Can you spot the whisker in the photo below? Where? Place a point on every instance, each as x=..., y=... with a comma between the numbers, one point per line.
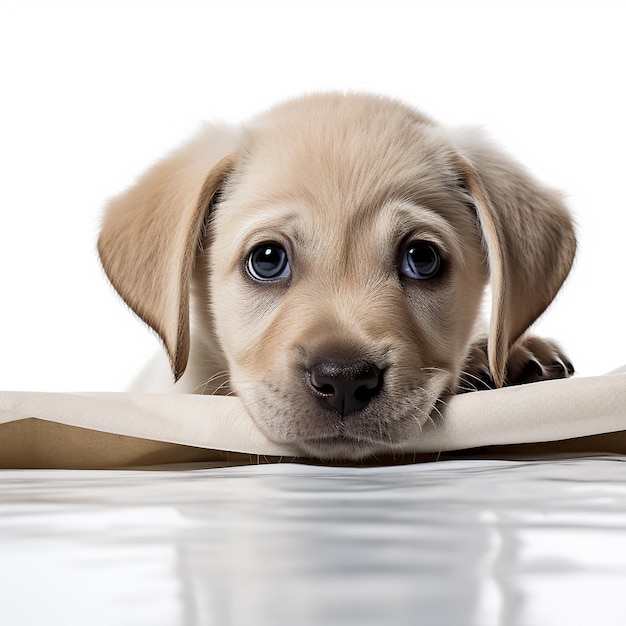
x=466, y=389
x=216, y=391
x=436, y=409
x=204, y=385
x=441, y=401
x=422, y=412
x=434, y=369
x=465, y=373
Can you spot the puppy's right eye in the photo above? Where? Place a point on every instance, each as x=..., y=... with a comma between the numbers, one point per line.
x=268, y=262
x=421, y=261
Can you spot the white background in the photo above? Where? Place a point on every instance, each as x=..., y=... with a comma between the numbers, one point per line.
x=92, y=93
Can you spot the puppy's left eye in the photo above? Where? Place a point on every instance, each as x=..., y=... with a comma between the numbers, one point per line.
x=268, y=262
x=421, y=261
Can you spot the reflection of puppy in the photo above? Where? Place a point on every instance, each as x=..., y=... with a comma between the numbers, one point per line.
x=335, y=252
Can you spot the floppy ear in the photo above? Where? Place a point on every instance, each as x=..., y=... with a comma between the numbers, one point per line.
x=151, y=233
x=529, y=238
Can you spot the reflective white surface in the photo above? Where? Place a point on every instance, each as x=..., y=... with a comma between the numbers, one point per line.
x=454, y=543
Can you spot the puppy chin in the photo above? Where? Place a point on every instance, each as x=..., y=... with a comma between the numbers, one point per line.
x=342, y=448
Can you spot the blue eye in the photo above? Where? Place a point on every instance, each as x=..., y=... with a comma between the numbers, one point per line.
x=268, y=262
x=421, y=261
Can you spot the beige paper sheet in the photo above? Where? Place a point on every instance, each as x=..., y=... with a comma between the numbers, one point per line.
x=81, y=430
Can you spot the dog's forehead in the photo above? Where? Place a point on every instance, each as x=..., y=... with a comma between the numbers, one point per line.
x=341, y=156
x=344, y=151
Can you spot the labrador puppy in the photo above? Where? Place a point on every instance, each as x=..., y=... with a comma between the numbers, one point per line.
x=327, y=263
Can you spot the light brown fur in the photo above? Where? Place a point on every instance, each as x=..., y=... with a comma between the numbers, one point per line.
x=342, y=182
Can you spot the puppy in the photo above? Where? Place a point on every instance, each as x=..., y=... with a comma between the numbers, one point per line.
x=327, y=263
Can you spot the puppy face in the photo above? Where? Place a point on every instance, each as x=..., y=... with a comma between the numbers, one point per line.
x=331, y=213
x=342, y=265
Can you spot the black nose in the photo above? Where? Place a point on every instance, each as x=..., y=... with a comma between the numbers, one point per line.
x=344, y=386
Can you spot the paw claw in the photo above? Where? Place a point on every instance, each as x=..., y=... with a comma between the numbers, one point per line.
x=530, y=360
x=533, y=366
x=534, y=359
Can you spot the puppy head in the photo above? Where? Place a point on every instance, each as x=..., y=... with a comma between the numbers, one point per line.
x=343, y=266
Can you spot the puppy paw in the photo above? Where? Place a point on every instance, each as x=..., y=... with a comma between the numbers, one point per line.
x=530, y=360
x=533, y=359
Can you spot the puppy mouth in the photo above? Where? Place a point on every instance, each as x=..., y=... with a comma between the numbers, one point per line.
x=351, y=440
x=341, y=447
